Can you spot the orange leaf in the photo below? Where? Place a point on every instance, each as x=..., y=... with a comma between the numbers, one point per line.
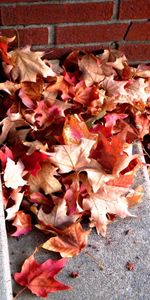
x=74, y=129
x=69, y=241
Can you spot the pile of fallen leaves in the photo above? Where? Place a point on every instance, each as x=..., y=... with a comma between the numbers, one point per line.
x=67, y=134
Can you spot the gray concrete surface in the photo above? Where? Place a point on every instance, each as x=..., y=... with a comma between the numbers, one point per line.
x=5, y=277
x=127, y=240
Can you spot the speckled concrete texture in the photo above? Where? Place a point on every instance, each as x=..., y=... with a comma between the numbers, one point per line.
x=127, y=240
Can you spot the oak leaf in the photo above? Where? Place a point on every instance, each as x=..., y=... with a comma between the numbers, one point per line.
x=40, y=278
x=68, y=242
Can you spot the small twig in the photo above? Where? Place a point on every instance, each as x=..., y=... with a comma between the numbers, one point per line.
x=99, y=264
x=19, y=293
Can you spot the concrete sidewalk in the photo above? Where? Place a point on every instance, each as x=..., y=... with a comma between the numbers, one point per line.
x=127, y=240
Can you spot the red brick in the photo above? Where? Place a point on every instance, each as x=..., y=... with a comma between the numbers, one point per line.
x=139, y=32
x=134, y=9
x=136, y=52
x=90, y=33
x=56, y=13
x=27, y=36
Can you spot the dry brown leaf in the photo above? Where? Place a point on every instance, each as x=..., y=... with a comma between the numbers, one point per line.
x=69, y=242
x=27, y=65
x=45, y=179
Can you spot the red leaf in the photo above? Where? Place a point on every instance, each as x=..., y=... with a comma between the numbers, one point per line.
x=32, y=162
x=4, y=41
x=22, y=222
x=40, y=278
x=5, y=152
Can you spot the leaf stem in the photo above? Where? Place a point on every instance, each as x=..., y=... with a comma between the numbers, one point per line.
x=19, y=293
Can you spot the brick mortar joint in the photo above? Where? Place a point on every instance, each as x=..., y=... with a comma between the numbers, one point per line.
x=120, y=43
x=24, y=3
x=115, y=15
x=51, y=35
x=69, y=24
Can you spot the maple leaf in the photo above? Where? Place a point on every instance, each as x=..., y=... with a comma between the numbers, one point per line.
x=13, y=174
x=33, y=161
x=17, y=198
x=84, y=94
x=114, y=87
x=27, y=65
x=137, y=91
x=96, y=175
x=132, y=91
x=58, y=216
x=22, y=222
x=112, y=118
x=108, y=200
x=90, y=66
x=40, y=278
x=68, y=242
x=72, y=157
x=74, y=129
x=123, y=180
x=61, y=85
x=44, y=179
x=51, y=100
x=112, y=154
x=75, y=158
x=31, y=92
x=42, y=116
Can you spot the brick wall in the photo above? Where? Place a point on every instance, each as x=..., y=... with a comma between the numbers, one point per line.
x=61, y=26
